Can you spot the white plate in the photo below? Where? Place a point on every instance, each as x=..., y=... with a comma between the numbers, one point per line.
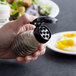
x=55, y=8
x=52, y=43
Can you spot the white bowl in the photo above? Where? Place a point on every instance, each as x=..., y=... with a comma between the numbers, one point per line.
x=4, y=11
x=55, y=8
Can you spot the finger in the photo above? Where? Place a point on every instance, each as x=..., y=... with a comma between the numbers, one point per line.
x=42, y=52
x=30, y=18
x=41, y=47
x=27, y=18
x=34, y=58
x=36, y=54
x=32, y=27
x=20, y=22
x=28, y=58
x=20, y=59
x=24, y=60
x=29, y=27
x=24, y=19
x=22, y=29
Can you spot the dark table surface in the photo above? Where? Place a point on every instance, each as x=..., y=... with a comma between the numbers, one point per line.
x=52, y=63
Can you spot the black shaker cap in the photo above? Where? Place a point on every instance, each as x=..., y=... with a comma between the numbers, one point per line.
x=42, y=33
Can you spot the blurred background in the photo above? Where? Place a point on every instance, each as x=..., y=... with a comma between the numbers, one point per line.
x=52, y=63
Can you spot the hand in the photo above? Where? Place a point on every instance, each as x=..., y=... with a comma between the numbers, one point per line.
x=8, y=33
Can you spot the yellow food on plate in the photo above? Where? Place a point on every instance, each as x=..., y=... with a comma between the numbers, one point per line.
x=69, y=35
x=27, y=2
x=65, y=44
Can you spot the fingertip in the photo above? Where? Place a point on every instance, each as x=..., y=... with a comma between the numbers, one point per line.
x=42, y=52
x=19, y=59
x=36, y=54
x=32, y=27
x=29, y=27
x=28, y=58
x=34, y=58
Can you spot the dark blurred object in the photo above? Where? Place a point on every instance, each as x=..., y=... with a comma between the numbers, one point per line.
x=45, y=19
x=33, y=10
x=14, y=17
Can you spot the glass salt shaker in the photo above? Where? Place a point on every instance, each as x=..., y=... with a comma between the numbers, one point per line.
x=27, y=42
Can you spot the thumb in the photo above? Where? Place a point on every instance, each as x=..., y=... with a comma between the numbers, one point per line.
x=26, y=19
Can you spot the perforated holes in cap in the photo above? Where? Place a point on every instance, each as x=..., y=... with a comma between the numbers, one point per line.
x=45, y=33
